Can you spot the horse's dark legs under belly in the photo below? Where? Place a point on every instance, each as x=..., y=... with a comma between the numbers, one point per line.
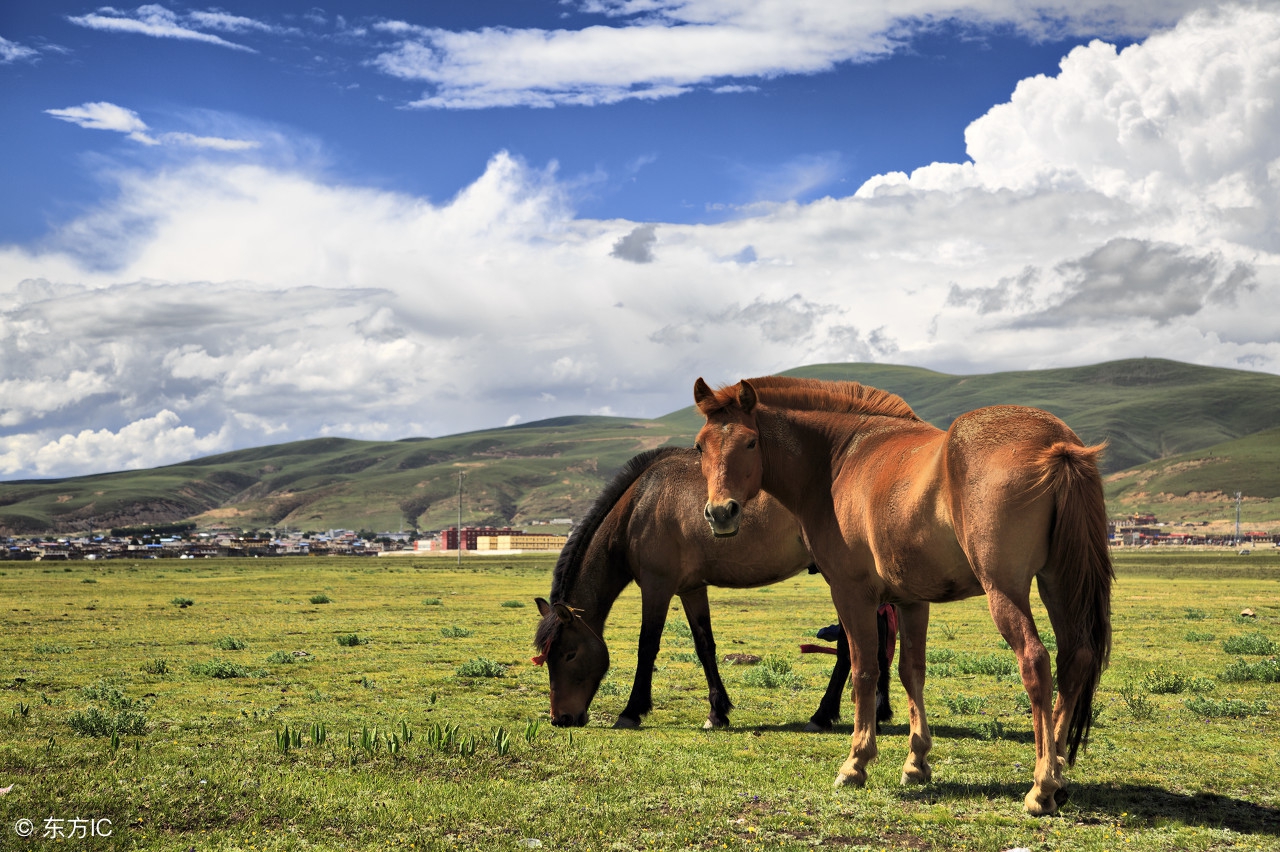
x=698, y=611
x=883, y=711
x=829, y=709
x=653, y=618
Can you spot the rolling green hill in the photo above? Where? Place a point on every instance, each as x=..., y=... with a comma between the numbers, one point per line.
x=1149, y=410
x=1200, y=486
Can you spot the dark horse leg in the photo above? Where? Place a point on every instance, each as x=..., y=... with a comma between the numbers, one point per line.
x=884, y=712
x=828, y=710
x=698, y=610
x=653, y=618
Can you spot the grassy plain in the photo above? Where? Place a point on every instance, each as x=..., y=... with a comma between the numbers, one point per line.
x=210, y=772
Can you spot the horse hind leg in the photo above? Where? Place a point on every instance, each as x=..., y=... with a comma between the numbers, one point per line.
x=884, y=658
x=1075, y=668
x=1012, y=616
x=698, y=611
x=823, y=719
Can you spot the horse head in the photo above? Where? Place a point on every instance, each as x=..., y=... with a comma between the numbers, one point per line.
x=576, y=659
x=728, y=444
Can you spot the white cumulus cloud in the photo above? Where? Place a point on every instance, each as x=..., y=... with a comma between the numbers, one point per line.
x=11, y=51
x=159, y=22
x=663, y=48
x=101, y=115
x=261, y=305
x=156, y=440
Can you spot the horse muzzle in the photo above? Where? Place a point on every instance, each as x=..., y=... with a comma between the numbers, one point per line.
x=568, y=720
x=724, y=517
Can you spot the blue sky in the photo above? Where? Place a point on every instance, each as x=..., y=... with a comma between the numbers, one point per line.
x=262, y=222
x=691, y=158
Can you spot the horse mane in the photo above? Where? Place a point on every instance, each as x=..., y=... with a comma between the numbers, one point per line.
x=575, y=549
x=819, y=395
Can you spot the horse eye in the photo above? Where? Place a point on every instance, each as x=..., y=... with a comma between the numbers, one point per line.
x=697, y=445
x=569, y=656
x=751, y=445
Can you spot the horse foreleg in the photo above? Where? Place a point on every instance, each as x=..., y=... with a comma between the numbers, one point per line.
x=913, y=627
x=823, y=719
x=1013, y=618
x=860, y=625
x=698, y=611
x=653, y=618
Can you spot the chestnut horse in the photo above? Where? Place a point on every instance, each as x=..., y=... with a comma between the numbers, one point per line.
x=645, y=526
x=896, y=510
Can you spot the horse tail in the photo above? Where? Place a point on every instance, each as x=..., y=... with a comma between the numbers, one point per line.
x=1079, y=565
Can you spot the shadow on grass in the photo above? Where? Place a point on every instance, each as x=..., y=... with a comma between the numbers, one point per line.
x=939, y=732
x=1092, y=803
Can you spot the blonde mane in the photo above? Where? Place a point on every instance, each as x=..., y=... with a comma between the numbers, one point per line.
x=819, y=395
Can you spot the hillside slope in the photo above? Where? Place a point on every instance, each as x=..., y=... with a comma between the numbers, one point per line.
x=1201, y=485
x=1146, y=409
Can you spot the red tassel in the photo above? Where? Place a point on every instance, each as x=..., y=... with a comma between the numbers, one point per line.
x=538, y=660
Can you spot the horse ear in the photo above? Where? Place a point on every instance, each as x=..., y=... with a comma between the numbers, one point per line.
x=704, y=398
x=543, y=607
x=563, y=613
x=746, y=396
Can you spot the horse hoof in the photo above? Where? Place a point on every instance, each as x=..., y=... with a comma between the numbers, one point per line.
x=627, y=723
x=815, y=728
x=916, y=776
x=1040, y=806
x=713, y=724
x=851, y=779
x=1060, y=796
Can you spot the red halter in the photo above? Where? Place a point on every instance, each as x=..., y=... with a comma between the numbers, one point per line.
x=546, y=649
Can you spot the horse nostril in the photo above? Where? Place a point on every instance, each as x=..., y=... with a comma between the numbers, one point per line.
x=706, y=512
x=734, y=509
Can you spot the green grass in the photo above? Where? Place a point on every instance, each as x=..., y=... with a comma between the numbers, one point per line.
x=352, y=640
x=385, y=746
x=1250, y=643
x=773, y=672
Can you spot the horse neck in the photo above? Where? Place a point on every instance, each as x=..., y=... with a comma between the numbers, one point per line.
x=801, y=451
x=598, y=582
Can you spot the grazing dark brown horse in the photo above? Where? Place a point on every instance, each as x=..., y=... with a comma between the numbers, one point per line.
x=894, y=509
x=646, y=526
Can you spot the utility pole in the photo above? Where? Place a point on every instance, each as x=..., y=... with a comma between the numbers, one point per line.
x=1237, y=518
x=461, y=476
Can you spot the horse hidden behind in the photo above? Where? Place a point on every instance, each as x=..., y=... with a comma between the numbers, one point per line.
x=895, y=509
x=645, y=526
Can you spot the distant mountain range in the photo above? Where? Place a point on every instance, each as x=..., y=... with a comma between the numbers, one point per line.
x=1180, y=438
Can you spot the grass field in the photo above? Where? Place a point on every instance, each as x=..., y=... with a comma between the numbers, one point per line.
x=390, y=744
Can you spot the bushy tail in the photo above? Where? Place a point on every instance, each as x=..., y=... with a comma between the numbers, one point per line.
x=1080, y=567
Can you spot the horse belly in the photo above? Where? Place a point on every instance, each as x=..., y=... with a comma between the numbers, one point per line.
x=938, y=574
x=905, y=516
